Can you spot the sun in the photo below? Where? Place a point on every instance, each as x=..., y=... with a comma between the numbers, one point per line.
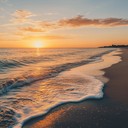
x=38, y=44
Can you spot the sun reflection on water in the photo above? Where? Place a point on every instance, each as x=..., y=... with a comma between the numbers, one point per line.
x=38, y=52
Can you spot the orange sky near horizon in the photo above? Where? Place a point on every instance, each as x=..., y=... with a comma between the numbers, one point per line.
x=62, y=24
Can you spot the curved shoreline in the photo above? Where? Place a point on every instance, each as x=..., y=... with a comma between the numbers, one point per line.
x=39, y=118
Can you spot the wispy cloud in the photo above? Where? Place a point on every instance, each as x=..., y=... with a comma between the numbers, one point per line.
x=40, y=26
x=80, y=20
x=21, y=16
x=31, y=29
x=48, y=25
x=22, y=21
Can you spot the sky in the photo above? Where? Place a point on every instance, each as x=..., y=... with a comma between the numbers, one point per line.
x=63, y=23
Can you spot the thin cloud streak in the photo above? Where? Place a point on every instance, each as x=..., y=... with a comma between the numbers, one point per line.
x=32, y=29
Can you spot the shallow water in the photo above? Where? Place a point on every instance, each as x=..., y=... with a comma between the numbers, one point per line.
x=31, y=82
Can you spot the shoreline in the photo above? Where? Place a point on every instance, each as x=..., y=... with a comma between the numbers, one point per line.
x=68, y=110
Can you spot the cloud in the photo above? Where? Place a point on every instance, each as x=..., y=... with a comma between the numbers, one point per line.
x=31, y=29
x=21, y=16
x=114, y=22
x=41, y=26
x=80, y=20
x=34, y=26
x=48, y=25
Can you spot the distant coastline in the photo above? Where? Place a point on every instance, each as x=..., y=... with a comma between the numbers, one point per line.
x=115, y=46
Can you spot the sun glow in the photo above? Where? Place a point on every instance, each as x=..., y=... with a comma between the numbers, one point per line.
x=38, y=44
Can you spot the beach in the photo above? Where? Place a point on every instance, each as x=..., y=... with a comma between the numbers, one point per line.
x=111, y=111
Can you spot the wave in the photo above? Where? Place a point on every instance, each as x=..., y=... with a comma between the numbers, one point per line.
x=54, y=71
x=7, y=64
x=25, y=61
x=10, y=63
x=20, y=61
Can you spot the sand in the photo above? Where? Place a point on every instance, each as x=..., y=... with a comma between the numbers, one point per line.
x=109, y=112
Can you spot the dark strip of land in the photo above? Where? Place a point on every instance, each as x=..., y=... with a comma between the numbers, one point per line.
x=109, y=112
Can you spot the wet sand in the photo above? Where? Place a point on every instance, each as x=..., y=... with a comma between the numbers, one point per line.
x=109, y=112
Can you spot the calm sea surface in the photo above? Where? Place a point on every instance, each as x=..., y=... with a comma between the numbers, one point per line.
x=31, y=84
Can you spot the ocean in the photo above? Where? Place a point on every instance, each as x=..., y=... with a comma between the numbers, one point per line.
x=32, y=81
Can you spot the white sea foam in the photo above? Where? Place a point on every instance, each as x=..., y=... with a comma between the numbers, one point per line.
x=73, y=89
x=95, y=68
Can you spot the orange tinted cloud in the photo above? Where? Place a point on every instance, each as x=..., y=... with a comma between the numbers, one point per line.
x=32, y=29
x=80, y=20
x=41, y=26
x=48, y=25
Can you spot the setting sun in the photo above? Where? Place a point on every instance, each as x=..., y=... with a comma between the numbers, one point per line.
x=38, y=44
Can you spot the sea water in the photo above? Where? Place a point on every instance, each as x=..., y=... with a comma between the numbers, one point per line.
x=32, y=81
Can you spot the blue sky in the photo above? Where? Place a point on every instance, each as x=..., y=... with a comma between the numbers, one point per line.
x=68, y=8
